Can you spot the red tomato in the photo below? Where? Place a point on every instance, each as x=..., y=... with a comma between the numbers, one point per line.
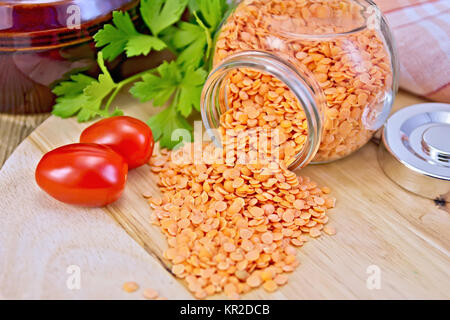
x=130, y=137
x=83, y=174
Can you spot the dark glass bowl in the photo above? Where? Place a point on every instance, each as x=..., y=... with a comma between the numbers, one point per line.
x=44, y=41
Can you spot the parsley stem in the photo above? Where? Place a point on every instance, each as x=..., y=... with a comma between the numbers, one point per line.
x=123, y=83
x=113, y=96
x=135, y=77
x=208, y=35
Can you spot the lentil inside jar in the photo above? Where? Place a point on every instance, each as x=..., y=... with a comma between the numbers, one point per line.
x=344, y=51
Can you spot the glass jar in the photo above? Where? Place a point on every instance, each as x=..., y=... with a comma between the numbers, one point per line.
x=322, y=71
x=44, y=41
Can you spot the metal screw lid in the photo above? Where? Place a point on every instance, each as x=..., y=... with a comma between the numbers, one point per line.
x=415, y=151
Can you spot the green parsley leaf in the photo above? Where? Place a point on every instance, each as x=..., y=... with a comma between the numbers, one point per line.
x=124, y=37
x=165, y=124
x=161, y=14
x=99, y=89
x=190, y=91
x=142, y=45
x=115, y=39
x=158, y=88
x=171, y=82
x=70, y=95
x=89, y=111
x=83, y=96
x=192, y=40
x=186, y=34
x=74, y=86
x=69, y=106
x=193, y=5
x=96, y=92
x=212, y=11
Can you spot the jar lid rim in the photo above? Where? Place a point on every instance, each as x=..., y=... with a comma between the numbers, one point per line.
x=18, y=31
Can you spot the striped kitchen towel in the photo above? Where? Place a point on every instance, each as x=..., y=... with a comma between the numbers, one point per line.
x=422, y=31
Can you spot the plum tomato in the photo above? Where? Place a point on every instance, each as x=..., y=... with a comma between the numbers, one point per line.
x=130, y=137
x=83, y=174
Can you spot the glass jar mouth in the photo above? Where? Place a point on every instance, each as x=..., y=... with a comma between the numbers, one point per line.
x=213, y=105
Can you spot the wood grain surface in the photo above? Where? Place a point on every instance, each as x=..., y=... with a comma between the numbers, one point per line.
x=14, y=129
x=378, y=223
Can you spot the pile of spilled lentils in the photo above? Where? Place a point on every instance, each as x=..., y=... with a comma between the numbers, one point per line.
x=234, y=227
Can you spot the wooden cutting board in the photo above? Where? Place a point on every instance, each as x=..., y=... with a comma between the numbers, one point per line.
x=405, y=237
